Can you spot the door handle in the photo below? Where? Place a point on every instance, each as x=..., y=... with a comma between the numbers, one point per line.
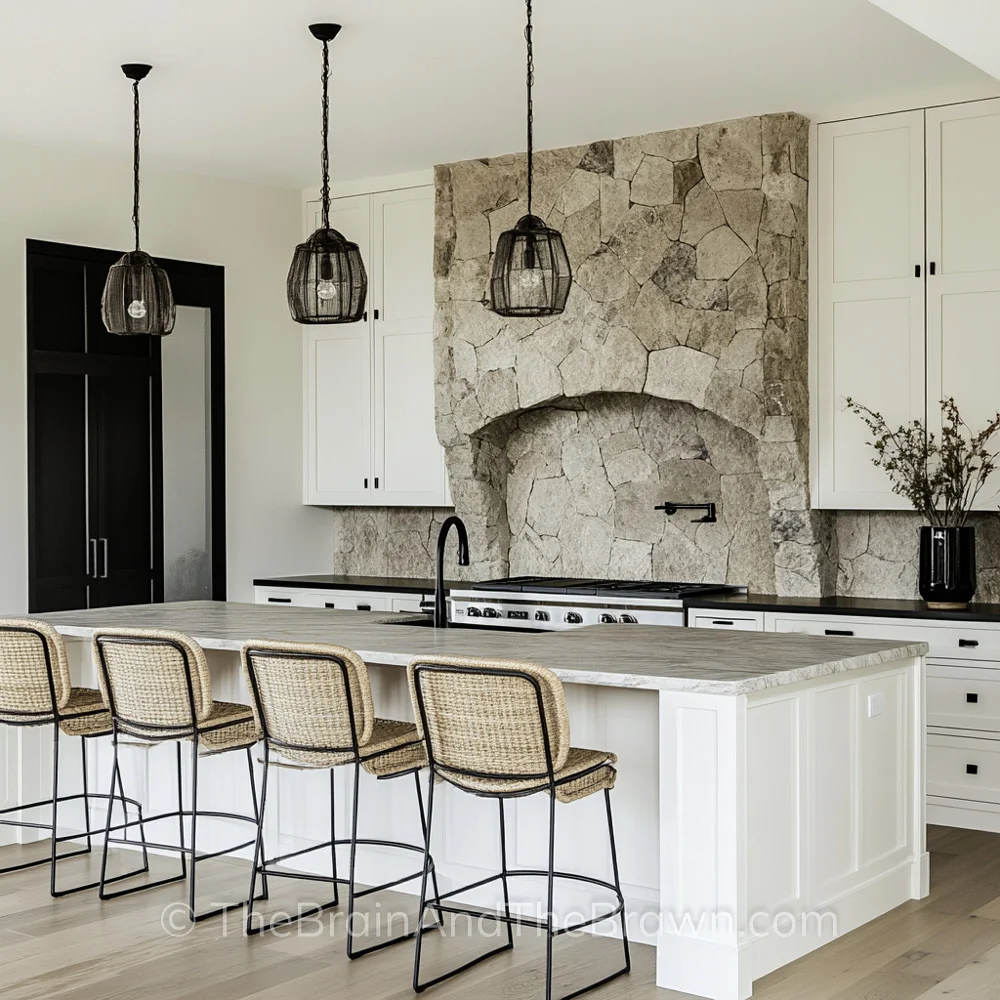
x=92, y=559
x=104, y=566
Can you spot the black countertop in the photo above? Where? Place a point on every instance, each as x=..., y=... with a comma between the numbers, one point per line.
x=857, y=606
x=331, y=581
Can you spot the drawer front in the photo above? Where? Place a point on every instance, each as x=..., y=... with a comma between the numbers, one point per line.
x=962, y=768
x=724, y=621
x=957, y=642
x=341, y=600
x=963, y=697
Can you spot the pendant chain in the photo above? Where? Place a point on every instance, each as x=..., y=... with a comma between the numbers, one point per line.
x=325, y=193
x=531, y=107
x=135, y=163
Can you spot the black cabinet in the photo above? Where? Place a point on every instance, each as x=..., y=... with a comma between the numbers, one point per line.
x=97, y=408
x=93, y=484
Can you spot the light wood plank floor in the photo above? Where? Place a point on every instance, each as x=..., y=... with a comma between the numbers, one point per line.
x=77, y=948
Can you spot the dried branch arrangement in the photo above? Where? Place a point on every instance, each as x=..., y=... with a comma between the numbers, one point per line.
x=940, y=478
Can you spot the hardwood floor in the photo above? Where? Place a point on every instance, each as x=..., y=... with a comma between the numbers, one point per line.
x=78, y=948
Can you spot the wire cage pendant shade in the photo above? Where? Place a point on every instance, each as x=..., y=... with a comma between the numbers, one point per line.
x=137, y=298
x=327, y=281
x=531, y=273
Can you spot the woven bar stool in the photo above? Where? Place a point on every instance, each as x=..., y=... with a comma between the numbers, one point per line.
x=313, y=704
x=158, y=688
x=35, y=690
x=500, y=729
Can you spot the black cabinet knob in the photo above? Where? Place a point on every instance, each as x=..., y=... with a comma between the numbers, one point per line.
x=972, y=698
x=972, y=769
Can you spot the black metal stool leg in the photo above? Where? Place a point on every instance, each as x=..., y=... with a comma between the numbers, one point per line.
x=618, y=885
x=180, y=810
x=417, y=987
x=423, y=830
x=503, y=869
x=333, y=836
x=259, y=857
x=86, y=793
x=354, y=854
x=55, y=808
x=549, y=929
x=259, y=816
x=192, y=875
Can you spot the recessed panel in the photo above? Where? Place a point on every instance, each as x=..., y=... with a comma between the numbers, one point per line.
x=970, y=194
x=871, y=360
x=871, y=205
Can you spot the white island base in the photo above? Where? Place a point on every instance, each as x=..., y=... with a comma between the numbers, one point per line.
x=759, y=812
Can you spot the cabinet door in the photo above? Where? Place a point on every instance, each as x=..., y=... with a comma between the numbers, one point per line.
x=870, y=298
x=409, y=461
x=963, y=247
x=337, y=460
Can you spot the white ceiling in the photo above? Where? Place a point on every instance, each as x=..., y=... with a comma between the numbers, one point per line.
x=969, y=27
x=235, y=88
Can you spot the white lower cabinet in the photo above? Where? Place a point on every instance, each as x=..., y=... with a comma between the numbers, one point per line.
x=340, y=600
x=962, y=706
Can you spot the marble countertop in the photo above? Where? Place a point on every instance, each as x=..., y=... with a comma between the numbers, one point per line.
x=632, y=656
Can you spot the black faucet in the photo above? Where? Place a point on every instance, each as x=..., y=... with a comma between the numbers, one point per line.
x=709, y=508
x=440, y=610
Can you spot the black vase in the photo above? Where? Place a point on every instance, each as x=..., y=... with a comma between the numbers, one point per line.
x=947, y=566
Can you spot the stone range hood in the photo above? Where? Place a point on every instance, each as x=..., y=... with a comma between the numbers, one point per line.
x=679, y=369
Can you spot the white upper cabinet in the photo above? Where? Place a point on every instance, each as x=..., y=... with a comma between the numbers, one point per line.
x=906, y=284
x=869, y=298
x=963, y=255
x=369, y=386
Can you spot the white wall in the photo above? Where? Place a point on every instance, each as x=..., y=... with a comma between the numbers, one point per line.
x=249, y=229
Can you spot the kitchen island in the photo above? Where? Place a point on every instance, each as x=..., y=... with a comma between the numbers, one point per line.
x=770, y=789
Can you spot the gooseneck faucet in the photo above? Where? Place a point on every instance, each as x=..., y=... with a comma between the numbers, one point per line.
x=440, y=609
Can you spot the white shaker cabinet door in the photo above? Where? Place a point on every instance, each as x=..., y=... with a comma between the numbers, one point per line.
x=869, y=298
x=337, y=364
x=409, y=459
x=963, y=253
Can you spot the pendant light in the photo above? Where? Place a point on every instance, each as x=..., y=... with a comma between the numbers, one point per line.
x=531, y=272
x=327, y=282
x=137, y=298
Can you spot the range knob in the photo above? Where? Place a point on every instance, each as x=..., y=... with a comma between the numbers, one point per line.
x=628, y=620
x=541, y=616
x=473, y=612
x=607, y=619
x=573, y=618
x=491, y=613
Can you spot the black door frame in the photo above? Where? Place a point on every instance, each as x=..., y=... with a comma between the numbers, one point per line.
x=200, y=286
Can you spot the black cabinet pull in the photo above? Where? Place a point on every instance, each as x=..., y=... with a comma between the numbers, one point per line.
x=720, y=621
x=839, y=631
x=279, y=600
x=366, y=482
x=968, y=643
x=376, y=314
x=972, y=769
x=376, y=482
x=364, y=607
x=364, y=317
x=329, y=604
x=916, y=271
x=972, y=698
x=933, y=269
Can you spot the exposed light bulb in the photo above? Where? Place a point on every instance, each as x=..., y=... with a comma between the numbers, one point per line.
x=531, y=279
x=137, y=309
x=326, y=289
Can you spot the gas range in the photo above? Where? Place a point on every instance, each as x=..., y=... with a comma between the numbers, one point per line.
x=554, y=603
